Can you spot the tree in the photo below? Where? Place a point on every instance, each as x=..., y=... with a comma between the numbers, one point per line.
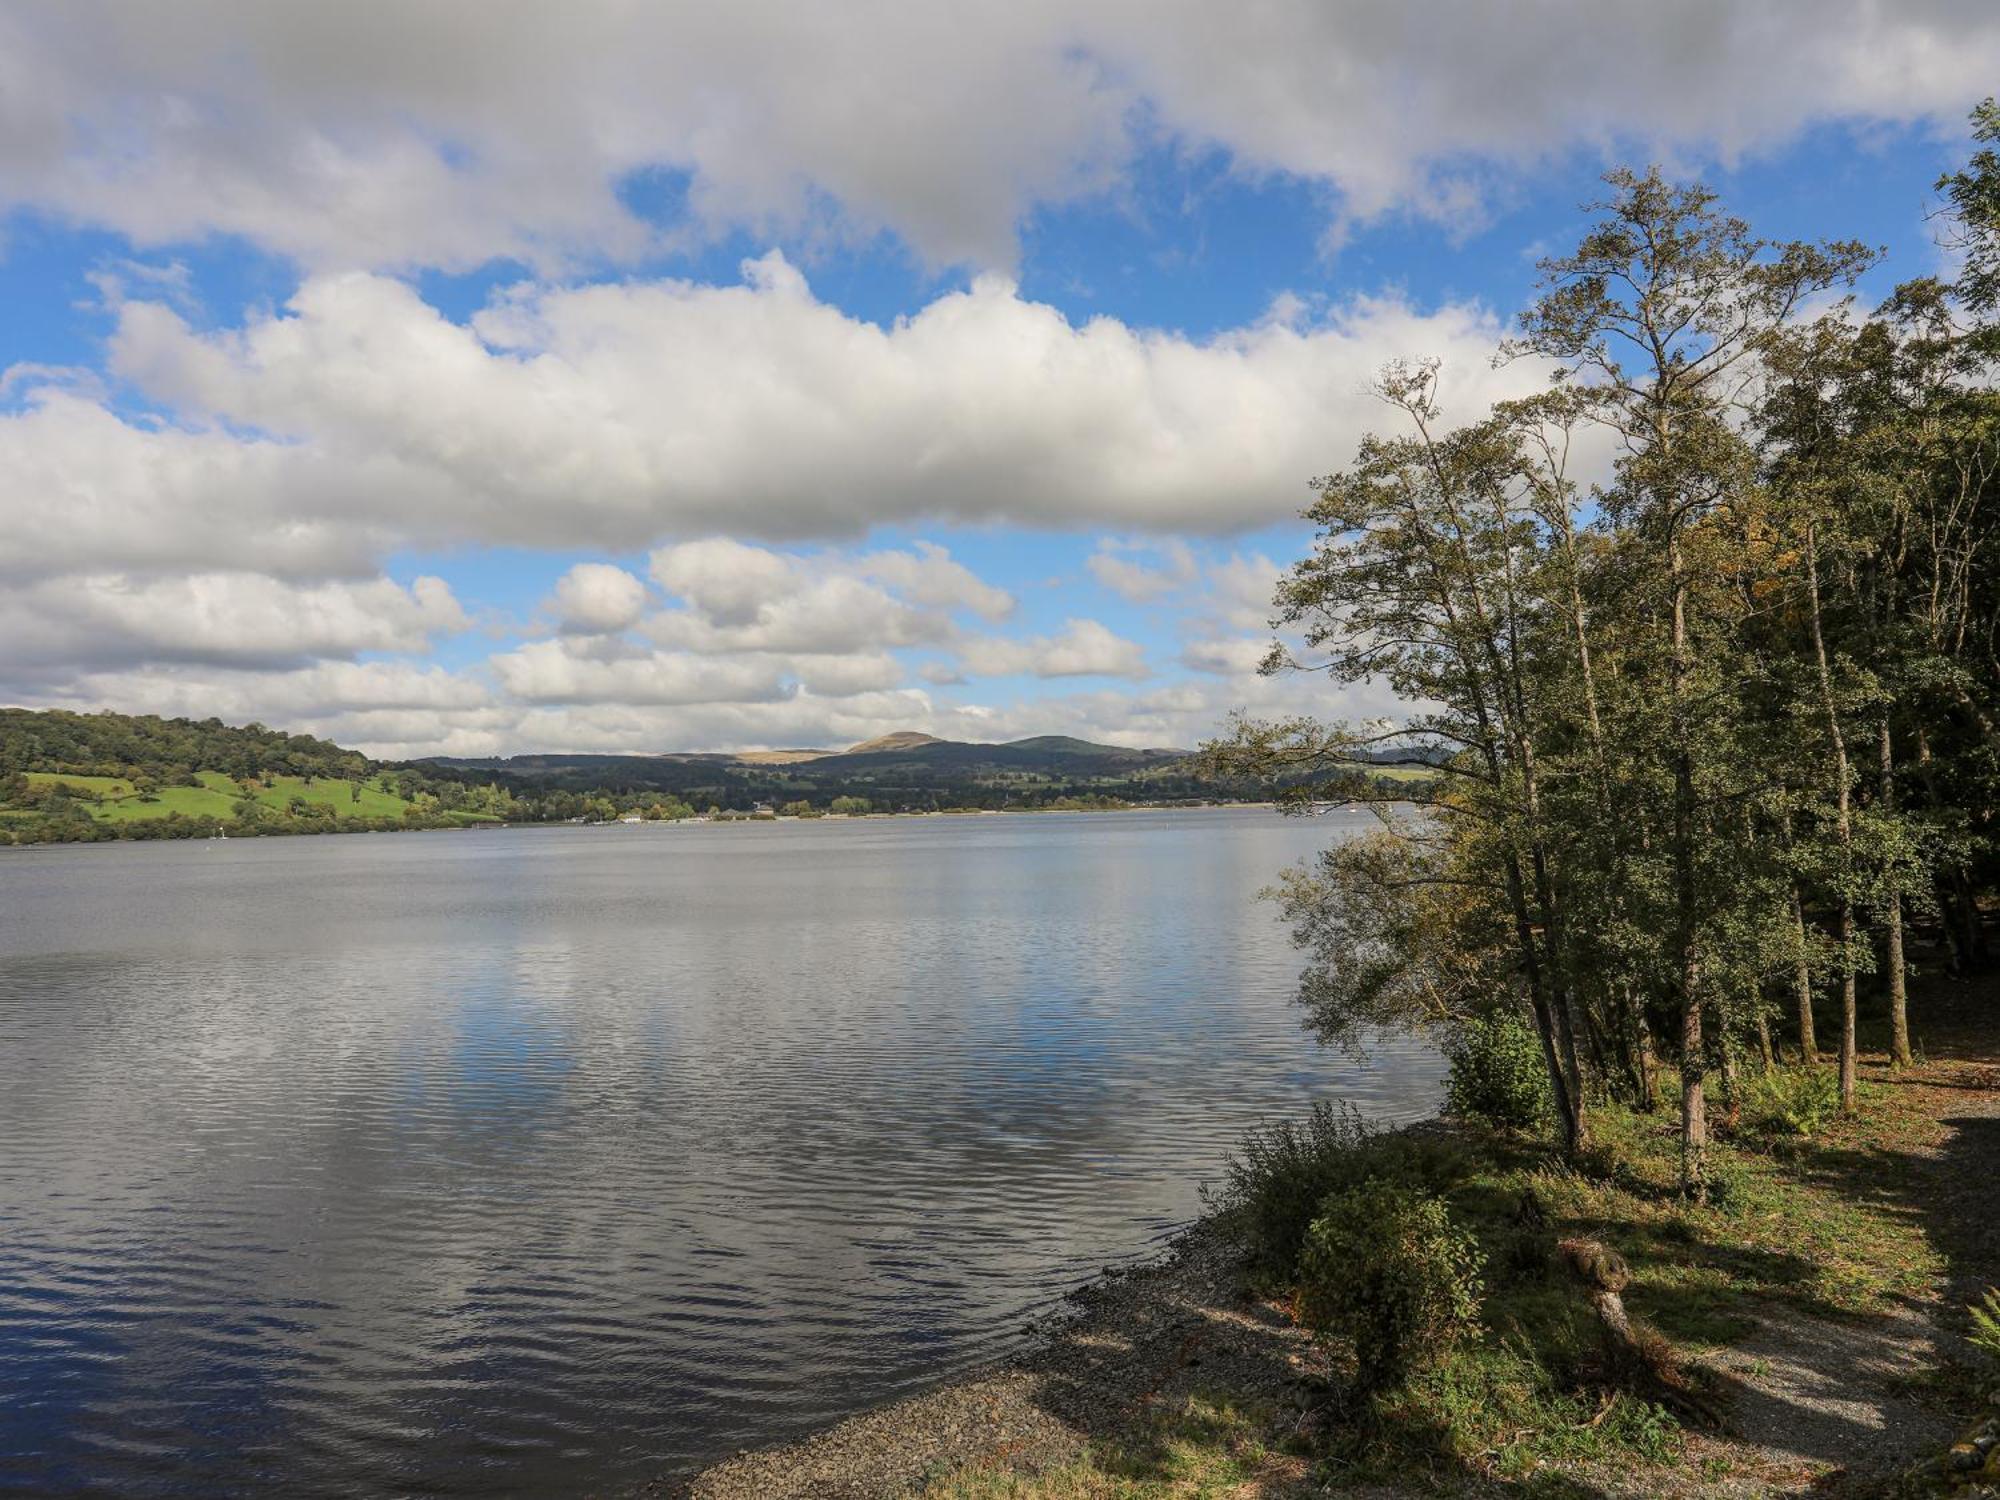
x=1423, y=576
x=1639, y=704
x=1664, y=311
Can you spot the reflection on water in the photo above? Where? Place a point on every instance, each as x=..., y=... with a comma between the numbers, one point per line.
x=541, y=1161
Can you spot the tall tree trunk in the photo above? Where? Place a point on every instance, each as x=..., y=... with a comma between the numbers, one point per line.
x=1539, y=1002
x=1694, y=1104
x=1725, y=1047
x=1972, y=929
x=1649, y=1079
x=1958, y=913
x=1892, y=921
x=1694, y=1061
x=1765, y=1055
x=1802, y=990
x=1843, y=825
x=1955, y=962
x=1847, y=1015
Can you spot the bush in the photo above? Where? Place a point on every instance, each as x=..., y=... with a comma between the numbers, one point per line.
x=1498, y=1073
x=1275, y=1184
x=1792, y=1101
x=1386, y=1270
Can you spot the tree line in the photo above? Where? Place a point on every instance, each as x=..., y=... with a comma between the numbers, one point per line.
x=165, y=750
x=1704, y=642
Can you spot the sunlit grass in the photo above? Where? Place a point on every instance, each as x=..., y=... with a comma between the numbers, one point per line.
x=1819, y=1224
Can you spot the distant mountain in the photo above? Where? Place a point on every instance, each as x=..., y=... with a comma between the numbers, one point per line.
x=905, y=770
x=66, y=775
x=902, y=739
x=1047, y=755
x=906, y=747
x=778, y=757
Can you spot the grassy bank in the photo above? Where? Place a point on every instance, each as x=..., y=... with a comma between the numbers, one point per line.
x=1814, y=1227
x=1801, y=1332
x=117, y=800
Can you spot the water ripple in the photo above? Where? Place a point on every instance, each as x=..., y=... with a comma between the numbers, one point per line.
x=524, y=1163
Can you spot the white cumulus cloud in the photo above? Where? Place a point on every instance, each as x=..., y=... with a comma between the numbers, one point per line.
x=596, y=598
x=1083, y=648
x=416, y=132
x=621, y=415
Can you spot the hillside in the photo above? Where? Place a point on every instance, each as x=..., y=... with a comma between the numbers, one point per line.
x=129, y=745
x=901, y=772
x=77, y=778
x=902, y=739
x=68, y=777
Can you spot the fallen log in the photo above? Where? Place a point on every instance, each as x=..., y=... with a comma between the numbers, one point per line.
x=1639, y=1358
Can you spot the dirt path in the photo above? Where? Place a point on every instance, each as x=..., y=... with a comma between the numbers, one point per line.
x=1838, y=1407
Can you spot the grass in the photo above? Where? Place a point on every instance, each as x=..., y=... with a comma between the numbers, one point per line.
x=217, y=795
x=1206, y=1449
x=104, y=786
x=1820, y=1223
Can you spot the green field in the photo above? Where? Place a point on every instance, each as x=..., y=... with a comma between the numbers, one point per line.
x=217, y=796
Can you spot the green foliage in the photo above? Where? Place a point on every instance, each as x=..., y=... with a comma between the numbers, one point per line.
x=1985, y=1315
x=1498, y=1072
x=1711, y=729
x=1275, y=1183
x=1530, y=1405
x=128, y=745
x=1799, y=1101
x=1386, y=1271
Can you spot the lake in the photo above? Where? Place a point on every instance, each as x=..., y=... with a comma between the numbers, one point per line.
x=547, y=1161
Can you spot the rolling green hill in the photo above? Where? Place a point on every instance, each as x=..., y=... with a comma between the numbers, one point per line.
x=67, y=777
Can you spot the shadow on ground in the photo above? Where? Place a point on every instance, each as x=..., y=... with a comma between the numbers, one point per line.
x=1813, y=1398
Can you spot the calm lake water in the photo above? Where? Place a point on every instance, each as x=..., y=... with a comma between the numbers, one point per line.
x=544, y=1162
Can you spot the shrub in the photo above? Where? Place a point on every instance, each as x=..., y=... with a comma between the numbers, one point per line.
x=1498, y=1073
x=1731, y=1187
x=1792, y=1101
x=1274, y=1185
x=1386, y=1270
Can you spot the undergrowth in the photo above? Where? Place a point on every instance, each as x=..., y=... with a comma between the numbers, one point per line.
x=1803, y=1212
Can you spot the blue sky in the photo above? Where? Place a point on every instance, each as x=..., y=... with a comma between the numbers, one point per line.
x=653, y=379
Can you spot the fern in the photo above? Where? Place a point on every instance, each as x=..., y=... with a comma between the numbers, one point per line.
x=1986, y=1322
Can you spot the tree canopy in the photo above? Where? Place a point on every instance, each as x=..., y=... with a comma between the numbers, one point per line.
x=1718, y=725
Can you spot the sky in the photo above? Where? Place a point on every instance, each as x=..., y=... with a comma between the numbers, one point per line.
x=484, y=379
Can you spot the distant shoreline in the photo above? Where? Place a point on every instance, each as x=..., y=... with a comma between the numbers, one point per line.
x=233, y=833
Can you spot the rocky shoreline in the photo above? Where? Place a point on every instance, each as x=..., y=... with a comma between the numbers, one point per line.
x=1814, y=1400
x=1130, y=1344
